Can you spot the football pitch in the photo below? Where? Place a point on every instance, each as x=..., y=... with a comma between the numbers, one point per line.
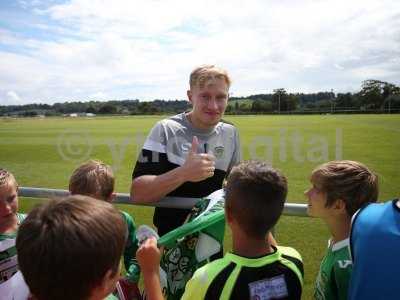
x=44, y=152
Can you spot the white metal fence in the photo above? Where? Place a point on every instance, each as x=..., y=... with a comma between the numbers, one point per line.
x=290, y=209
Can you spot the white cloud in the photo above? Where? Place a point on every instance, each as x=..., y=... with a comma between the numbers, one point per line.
x=98, y=96
x=146, y=49
x=10, y=98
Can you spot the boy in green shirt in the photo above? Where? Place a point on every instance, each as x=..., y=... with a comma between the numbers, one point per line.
x=10, y=220
x=96, y=179
x=66, y=253
x=339, y=189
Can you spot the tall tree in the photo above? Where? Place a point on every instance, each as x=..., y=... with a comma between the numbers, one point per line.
x=375, y=92
x=279, y=99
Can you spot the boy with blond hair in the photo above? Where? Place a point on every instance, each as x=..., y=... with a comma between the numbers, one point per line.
x=339, y=189
x=256, y=268
x=189, y=154
x=66, y=253
x=10, y=220
x=96, y=179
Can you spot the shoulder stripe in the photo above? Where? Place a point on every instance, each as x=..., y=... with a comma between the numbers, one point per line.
x=297, y=262
x=154, y=146
x=214, y=290
x=289, y=251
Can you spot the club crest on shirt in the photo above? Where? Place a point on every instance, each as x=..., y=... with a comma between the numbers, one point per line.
x=219, y=151
x=186, y=147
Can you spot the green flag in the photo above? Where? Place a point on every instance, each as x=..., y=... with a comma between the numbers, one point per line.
x=191, y=245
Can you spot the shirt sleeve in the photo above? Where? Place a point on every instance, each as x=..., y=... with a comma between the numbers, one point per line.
x=194, y=288
x=131, y=265
x=153, y=159
x=237, y=153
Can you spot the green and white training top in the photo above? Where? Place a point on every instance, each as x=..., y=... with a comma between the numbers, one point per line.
x=334, y=273
x=8, y=253
x=278, y=275
x=167, y=147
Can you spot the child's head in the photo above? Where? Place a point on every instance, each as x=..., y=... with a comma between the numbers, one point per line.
x=71, y=248
x=207, y=74
x=8, y=196
x=344, y=180
x=94, y=179
x=255, y=196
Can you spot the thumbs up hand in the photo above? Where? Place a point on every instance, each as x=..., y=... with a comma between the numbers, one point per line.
x=198, y=166
x=195, y=146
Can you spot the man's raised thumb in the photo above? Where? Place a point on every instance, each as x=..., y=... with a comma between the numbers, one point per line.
x=195, y=145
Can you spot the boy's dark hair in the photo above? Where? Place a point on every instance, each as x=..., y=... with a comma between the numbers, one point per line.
x=65, y=247
x=93, y=178
x=255, y=196
x=348, y=180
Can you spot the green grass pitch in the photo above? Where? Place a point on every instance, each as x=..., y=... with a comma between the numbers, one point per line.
x=44, y=152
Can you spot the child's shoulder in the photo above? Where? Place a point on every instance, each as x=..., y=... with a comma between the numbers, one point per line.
x=126, y=215
x=209, y=270
x=128, y=218
x=289, y=251
x=21, y=217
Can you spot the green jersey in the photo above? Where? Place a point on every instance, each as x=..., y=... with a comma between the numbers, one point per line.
x=8, y=253
x=334, y=273
x=130, y=262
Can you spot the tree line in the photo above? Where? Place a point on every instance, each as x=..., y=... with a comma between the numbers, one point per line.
x=375, y=95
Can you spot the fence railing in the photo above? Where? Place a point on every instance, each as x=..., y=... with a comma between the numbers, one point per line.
x=290, y=209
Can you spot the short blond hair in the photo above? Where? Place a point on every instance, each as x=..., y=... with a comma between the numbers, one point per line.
x=348, y=180
x=7, y=177
x=93, y=178
x=207, y=74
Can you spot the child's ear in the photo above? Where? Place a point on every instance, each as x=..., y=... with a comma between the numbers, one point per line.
x=189, y=95
x=107, y=284
x=340, y=205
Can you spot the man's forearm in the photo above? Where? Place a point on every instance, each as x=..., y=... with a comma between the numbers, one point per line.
x=152, y=188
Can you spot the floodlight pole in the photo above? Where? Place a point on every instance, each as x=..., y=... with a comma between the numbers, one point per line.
x=279, y=103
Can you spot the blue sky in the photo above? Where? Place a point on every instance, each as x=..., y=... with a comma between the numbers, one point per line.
x=55, y=51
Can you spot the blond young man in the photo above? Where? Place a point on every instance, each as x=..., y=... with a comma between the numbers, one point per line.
x=339, y=189
x=96, y=179
x=256, y=268
x=66, y=253
x=188, y=155
x=10, y=220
